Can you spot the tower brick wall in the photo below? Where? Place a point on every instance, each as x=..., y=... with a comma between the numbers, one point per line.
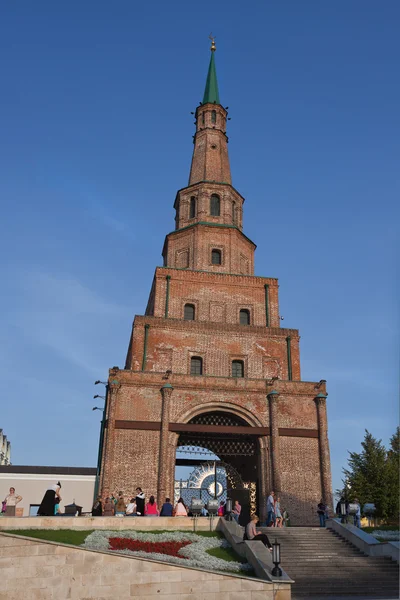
x=157, y=397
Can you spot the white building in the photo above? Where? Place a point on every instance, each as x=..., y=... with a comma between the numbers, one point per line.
x=32, y=482
x=5, y=449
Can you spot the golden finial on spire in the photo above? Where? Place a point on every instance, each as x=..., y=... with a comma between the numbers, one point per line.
x=213, y=46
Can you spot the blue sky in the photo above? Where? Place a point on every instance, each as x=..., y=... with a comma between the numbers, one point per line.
x=96, y=137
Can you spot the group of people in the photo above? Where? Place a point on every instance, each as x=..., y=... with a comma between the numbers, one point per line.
x=276, y=516
x=355, y=514
x=49, y=507
x=116, y=505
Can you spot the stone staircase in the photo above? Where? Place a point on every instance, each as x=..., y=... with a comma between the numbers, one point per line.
x=323, y=564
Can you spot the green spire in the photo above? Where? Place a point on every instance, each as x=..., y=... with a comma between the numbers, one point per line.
x=211, y=92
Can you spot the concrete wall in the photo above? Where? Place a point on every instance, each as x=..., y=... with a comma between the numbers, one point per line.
x=32, y=487
x=34, y=569
x=112, y=523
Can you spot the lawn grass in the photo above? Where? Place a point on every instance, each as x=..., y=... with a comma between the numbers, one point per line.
x=227, y=554
x=63, y=536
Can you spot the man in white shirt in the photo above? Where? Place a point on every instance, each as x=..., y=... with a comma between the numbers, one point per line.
x=271, y=509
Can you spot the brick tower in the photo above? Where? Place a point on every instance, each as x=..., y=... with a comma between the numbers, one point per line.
x=208, y=365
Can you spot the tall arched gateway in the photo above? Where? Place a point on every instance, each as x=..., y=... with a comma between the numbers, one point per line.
x=209, y=358
x=230, y=438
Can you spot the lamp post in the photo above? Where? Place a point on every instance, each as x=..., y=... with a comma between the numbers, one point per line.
x=276, y=559
x=343, y=511
x=228, y=509
x=101, y=437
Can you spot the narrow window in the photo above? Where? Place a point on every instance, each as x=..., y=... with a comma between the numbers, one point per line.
x=192, y=211
x=203, y=118
x=196, y=365
x=213, y=116
x=216, y=257
x=189, y=312
x=237, y=368
x=244, y=317
x=234, y=213
x=215, y=205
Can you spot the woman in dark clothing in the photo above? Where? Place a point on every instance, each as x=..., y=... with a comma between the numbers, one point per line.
x=97, y=509
x=140, y=508
x=50, y=499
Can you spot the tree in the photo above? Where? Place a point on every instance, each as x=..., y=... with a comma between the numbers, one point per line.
x=392, y=476
x=366, y=477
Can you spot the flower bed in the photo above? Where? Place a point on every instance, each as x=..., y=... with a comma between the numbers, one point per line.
x=175, y=547
x=387, y=536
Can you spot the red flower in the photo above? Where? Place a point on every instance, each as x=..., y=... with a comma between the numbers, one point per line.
x=169, y=548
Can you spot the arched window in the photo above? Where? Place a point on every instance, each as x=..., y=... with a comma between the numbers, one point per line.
x=234, y=212
x=196, y=365
x=237, y=368
x=203, y=118
x=189, y=312
x=244, y=316
x=192, y=210
x=215, y=205
x=216, y=257
x=213, y=116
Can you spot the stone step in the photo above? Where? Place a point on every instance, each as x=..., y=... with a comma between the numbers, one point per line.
x=323, y=564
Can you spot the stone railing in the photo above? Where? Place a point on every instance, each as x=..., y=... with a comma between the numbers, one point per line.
x=364, y=541
x=255, y=552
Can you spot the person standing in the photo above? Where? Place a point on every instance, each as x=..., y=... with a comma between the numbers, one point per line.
x=221, y=509
x=140, y=498
x=278, y=514
x=97, y=509
x=50, y=499
x=321, y=510
x=109, y=508
x=167, y=510
x=11, y=501
x=271, y=510
x=236, y=511
x=357, y=514
x=253, y=534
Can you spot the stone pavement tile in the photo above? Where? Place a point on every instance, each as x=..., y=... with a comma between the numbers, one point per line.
x=74, y=559
x=188, y=575
x=169, y=575
x=146, y=577
x=93, y=557
x=82, y=569
x=185, y=587
x=25, y=583
x=113, y=579
x=41, y=594
x=107, y=591
x=43, y=571
x=19, y=551
x=11, y=541
x=244, y=596
x=64, y=570
x=24, y=562
x=263, y=596
x=248, y=585
x=91, y=580
x=230, y=585
x=148, y=589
